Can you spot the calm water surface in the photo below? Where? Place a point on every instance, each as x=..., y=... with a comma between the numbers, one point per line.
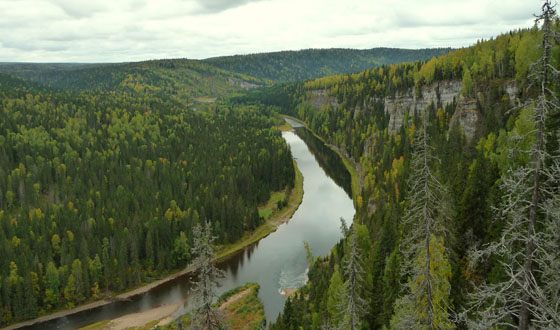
x=277, y=261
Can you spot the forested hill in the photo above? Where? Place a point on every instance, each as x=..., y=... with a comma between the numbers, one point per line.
x=8, y=82
x=100, y=191
x=458, y=215
x=206, y=80
x=286, y=66
x=183, y=79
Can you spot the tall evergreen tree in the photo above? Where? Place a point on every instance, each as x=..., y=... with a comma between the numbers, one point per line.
x=206, y=316
x=425, y=265
x=334, y=296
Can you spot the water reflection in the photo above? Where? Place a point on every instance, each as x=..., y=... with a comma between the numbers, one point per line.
x=329, y=161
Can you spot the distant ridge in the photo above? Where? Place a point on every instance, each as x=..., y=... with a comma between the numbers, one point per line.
x=286, y=66
x=212, y=77
x=182, y=78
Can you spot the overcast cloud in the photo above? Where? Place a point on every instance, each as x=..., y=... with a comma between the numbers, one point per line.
x=132, y=30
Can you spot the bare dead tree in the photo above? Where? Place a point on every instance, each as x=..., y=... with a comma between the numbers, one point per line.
x=206, y=316
x=528, y=248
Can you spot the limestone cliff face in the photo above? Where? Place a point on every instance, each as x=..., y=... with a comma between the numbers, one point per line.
x=466, y=112
x=467, y=116
x=513, y=93
x=319, y=98
x=440, y=94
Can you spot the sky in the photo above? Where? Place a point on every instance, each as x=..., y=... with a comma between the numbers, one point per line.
x=134, y=30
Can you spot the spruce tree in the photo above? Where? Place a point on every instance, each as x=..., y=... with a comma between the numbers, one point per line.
x=206, y=316
x=424, y=304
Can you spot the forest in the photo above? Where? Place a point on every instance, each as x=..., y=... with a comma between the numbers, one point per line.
x=99, y=191
x=453, y=230
x=291, y=66
x=183, y=80
x=108, y=167
x=108, y=172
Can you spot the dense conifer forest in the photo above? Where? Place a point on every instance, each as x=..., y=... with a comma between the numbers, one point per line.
x=99, y=192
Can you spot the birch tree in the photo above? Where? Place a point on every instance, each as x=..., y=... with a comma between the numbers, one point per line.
x=205, y=316
x=425, y=302
x=528, y=249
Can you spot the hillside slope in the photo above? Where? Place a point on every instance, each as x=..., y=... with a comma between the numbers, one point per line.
x=185, y=80
x=206, y=80
x=100, y=191
x=478, y=132
x=306, y=64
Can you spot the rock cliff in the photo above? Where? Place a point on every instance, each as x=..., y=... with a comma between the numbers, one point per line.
x=440, y=94
x=443, y=93
x=319, y=98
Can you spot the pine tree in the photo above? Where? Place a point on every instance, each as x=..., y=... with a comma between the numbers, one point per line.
x=14, y=284
x=81, y=291
x=467, y=82
x=206, y=316
x=181, y=249
x=527, y=250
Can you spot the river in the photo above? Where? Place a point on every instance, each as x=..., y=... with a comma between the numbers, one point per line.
x=278, y=261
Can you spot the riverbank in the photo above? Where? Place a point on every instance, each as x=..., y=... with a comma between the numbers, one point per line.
x=241, y=309
x=223, y=252
x=271, y=224
x=275, y=219
x=143, y=320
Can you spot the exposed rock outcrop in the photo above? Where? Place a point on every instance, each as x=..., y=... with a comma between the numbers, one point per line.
x=513, y=93
x=242, y=83
x=320, y=98
x=467, y=115
x=440, y=94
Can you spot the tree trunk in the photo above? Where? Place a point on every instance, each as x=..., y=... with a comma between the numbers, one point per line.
x=427, y=238
x=524, y=314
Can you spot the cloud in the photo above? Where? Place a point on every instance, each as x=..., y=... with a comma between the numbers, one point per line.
x=27, y=46
x=513, y=10
x=453, y=13
x=217, y=6
x=79, y=9
x=409, y=20
x=130, y=30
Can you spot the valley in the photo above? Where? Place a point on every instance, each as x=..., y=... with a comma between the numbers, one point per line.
x=336, y=188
